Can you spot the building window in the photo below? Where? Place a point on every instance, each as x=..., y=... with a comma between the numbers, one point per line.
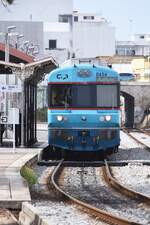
x=142, y=37
x=52, y=44
x=88, y=17
x=63, y=18
x=75, y=18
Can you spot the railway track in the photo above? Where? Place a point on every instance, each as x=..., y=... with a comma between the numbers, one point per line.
x=98, y=213
x=147, y=132
x=121, y=188
x=136, y=139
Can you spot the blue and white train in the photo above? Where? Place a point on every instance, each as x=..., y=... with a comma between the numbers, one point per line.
x=84, y=108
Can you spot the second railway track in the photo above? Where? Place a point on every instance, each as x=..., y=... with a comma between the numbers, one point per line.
x=129, y=133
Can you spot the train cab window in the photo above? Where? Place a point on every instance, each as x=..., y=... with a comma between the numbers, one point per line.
x=60, y=96
x=84, y=96
x=107, y=96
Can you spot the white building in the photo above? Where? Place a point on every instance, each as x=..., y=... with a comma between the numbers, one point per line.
x=92, y=36
x=138, y=46
x=57, y=38
x=60, y=10
x=79, y=35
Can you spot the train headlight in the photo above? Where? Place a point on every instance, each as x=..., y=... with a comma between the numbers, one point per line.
x=60, y=118
x=108, y=118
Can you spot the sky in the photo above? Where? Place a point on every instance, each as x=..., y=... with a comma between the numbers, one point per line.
x=127, y=16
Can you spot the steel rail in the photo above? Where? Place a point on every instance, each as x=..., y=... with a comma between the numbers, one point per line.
x=120, y=187
x=102, y=215
x=144, y=132
x=135, y=139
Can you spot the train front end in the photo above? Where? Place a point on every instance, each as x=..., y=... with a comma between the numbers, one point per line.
x=83, y=113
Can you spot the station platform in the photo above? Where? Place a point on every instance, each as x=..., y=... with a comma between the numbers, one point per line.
x=13, y=188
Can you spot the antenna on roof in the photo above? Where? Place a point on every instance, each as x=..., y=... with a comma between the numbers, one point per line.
x=110, y=66
x=75, y=65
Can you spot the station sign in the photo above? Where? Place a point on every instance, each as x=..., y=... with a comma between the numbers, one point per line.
x=3, y=119
x=10, y=88
x=13, y=116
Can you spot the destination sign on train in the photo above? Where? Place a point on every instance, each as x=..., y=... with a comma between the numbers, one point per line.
x=105, y=79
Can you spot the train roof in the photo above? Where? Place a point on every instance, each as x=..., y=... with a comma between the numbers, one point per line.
x=74, y=72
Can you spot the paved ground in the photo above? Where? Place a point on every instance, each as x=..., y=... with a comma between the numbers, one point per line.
x=13, y=188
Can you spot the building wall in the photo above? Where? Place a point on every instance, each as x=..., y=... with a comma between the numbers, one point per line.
x=59, y=32
x=32, y=31
x=59, y=7
x=48, y=10
x=88, y=37
x=93, y=39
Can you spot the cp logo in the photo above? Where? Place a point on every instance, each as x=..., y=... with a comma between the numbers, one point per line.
x=62, y=76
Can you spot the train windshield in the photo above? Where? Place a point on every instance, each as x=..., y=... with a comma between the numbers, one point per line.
x=83, y=96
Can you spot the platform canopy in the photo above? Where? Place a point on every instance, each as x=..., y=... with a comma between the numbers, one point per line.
x=15, y=55
x=34, y=72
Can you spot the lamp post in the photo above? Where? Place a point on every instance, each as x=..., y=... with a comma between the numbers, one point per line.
x=25, y=46
x=19, y=36
x=7, y=34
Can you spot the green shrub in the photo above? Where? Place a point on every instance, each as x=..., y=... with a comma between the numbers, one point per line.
x=28, y=175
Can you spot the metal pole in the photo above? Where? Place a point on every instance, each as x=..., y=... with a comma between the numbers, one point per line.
x=14, y=131
x=7, y=60
x=7, y=76
x=22, y=114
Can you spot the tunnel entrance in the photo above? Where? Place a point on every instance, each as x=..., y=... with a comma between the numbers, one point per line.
x=127, y=110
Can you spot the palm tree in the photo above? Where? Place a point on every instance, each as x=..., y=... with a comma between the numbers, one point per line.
x=7, y=2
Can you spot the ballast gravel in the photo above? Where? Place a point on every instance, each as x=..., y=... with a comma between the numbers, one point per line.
x=55, y=211
x=87, y=184
x=135, y=177
x=61, y=213
x=130, y=150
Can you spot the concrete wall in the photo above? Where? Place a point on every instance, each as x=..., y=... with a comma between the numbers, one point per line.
x=141, y=94
x=58, y=7
x=48, y=10
x=59, y=32
x=91, y=39
x=86, y=38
